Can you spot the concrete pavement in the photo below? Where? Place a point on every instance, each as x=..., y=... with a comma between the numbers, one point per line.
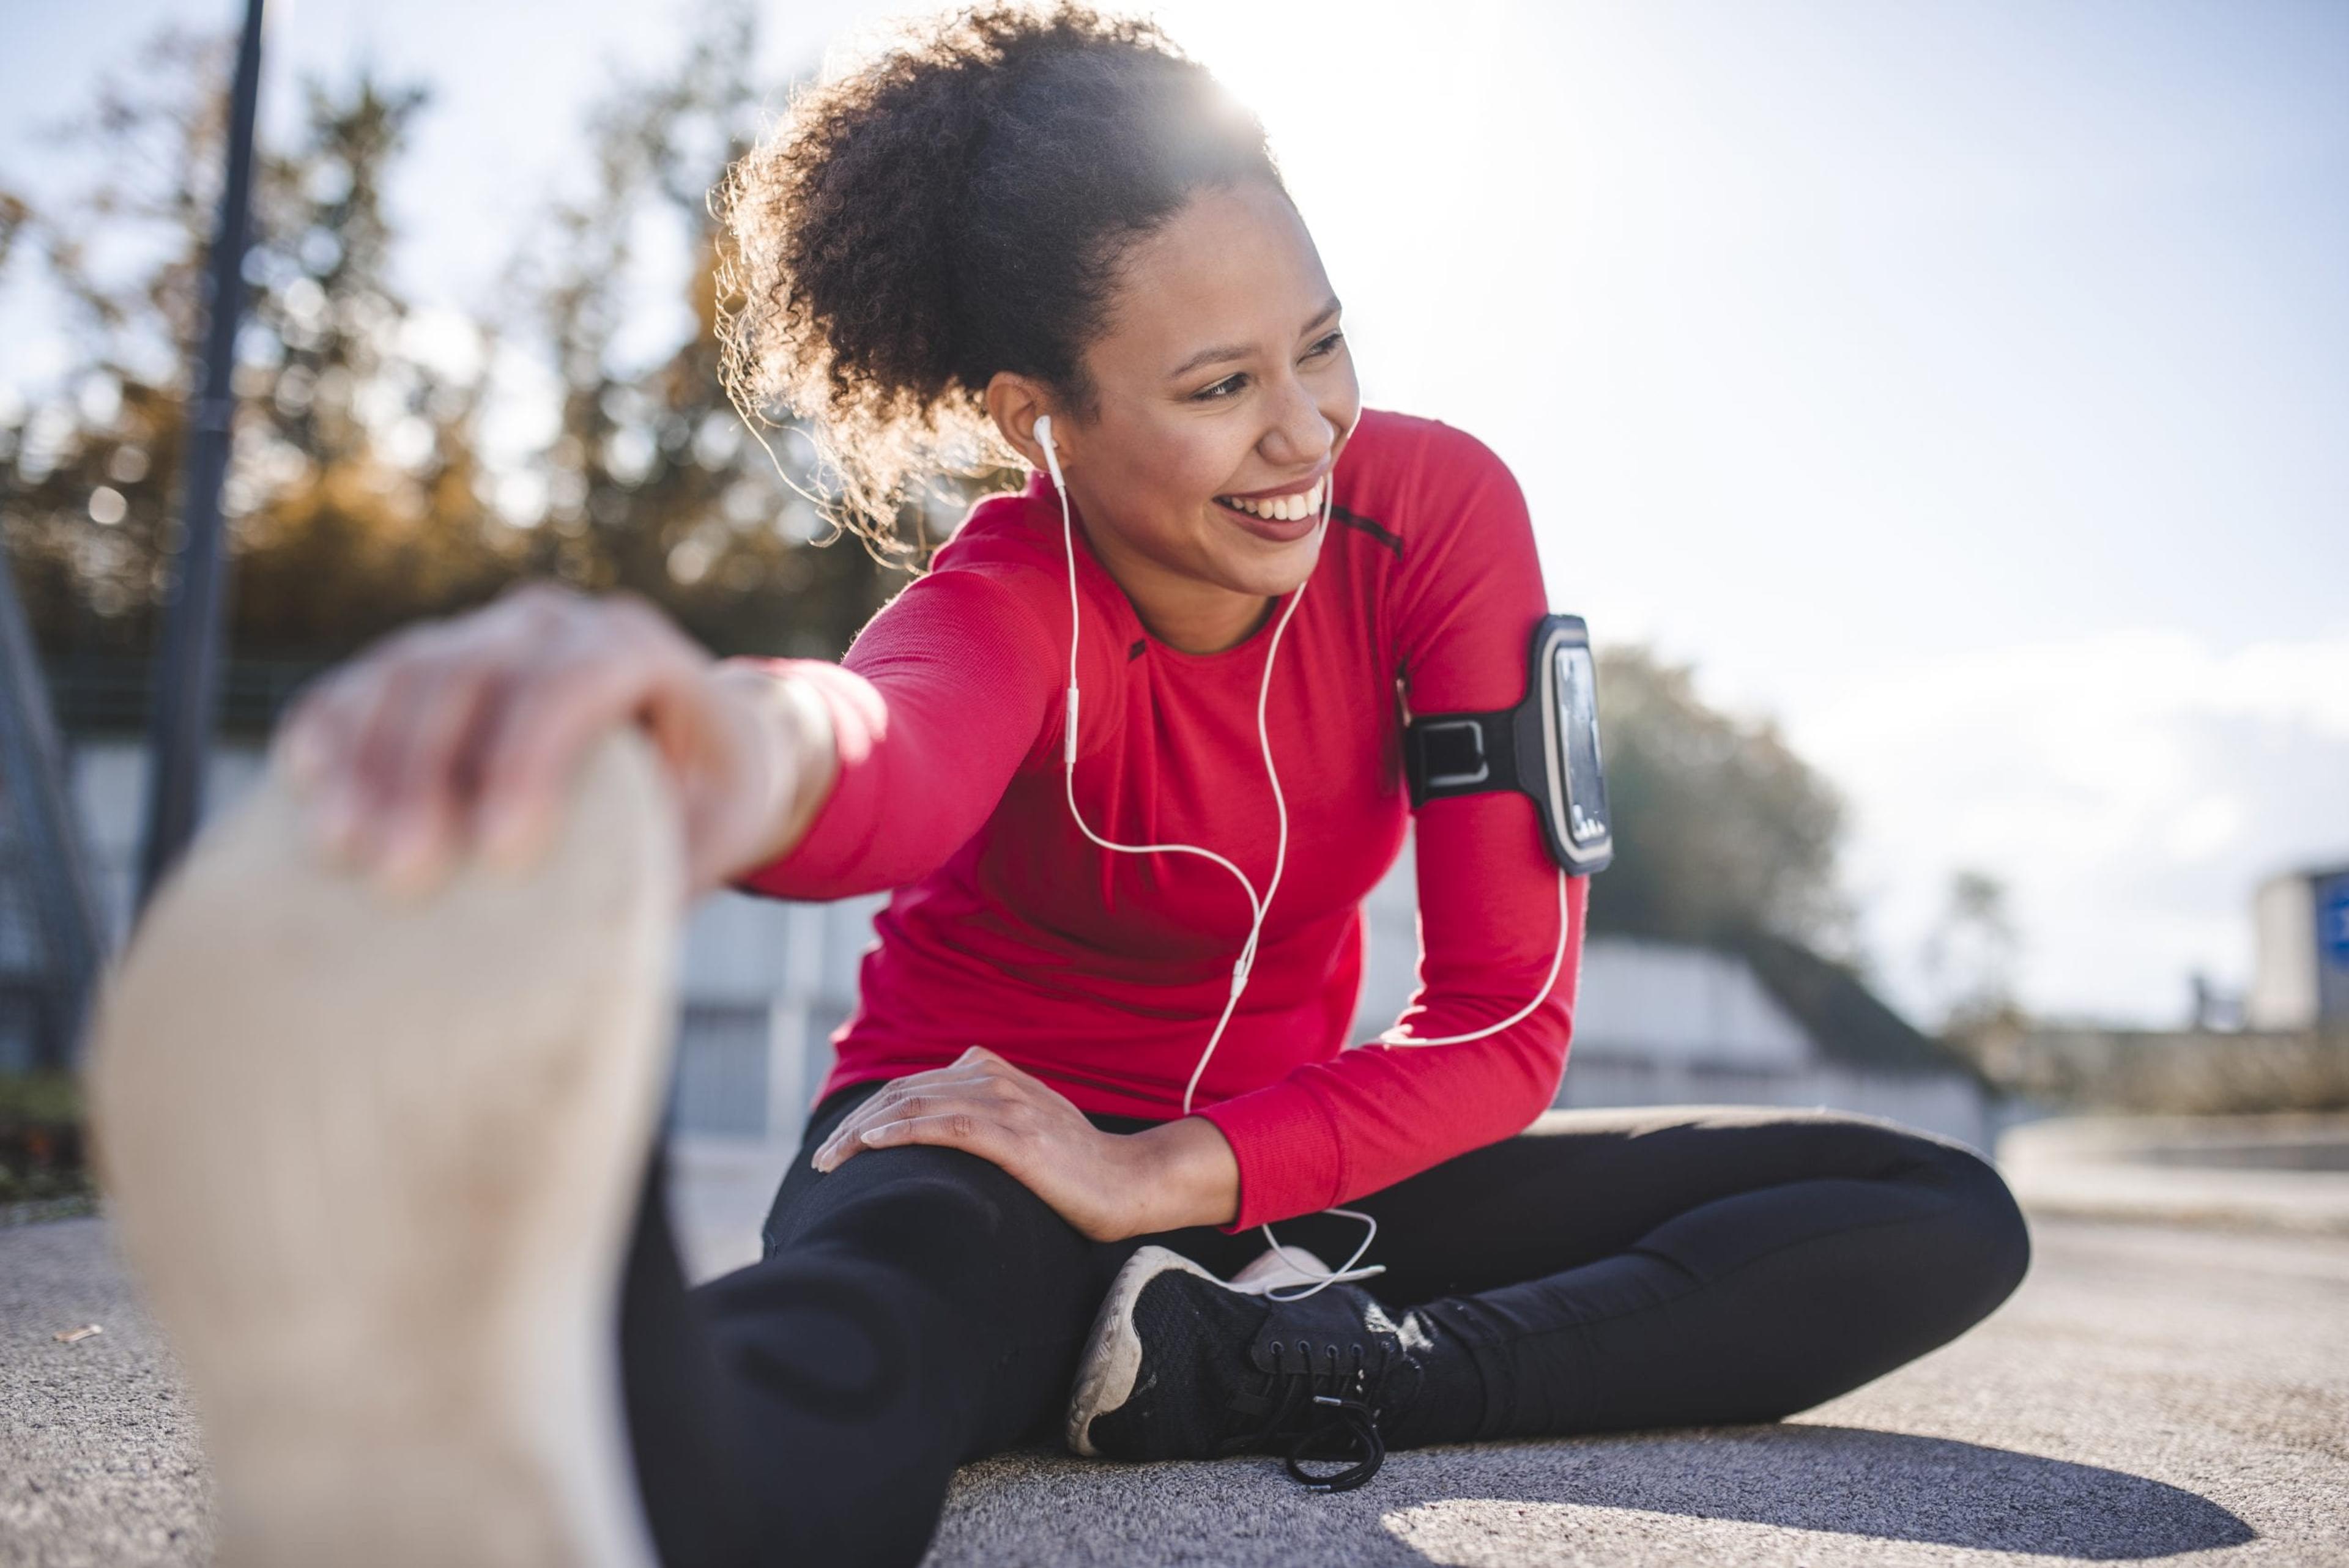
x=2151, y=1391
x=2287, y=1172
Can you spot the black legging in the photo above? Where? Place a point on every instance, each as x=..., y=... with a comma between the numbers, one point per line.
x=1608, y=1269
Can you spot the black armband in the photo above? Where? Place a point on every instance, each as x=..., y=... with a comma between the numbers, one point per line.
x=1546, y=748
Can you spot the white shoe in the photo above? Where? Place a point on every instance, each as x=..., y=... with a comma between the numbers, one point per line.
x=376, y=1161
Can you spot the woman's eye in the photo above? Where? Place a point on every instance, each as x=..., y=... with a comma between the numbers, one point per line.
x=1327, y=346
x=1228, y=387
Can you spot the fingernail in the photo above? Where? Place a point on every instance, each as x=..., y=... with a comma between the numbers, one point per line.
x=509, y=837
x=409, y=861
x=305, y=757
x=493, y=833
x=334, y=823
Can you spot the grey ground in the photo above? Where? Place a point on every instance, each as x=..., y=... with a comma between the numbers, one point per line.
x=2154, y=1389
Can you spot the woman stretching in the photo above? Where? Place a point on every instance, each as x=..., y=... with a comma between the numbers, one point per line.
x=378, y=1086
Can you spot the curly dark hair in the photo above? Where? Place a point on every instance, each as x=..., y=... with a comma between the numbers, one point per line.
x=955, y=207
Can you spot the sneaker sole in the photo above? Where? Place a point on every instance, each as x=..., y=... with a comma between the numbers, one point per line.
x=375, y=1161
x=1112, y=1357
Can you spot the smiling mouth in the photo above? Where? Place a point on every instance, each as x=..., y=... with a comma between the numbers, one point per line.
x=1295, y=508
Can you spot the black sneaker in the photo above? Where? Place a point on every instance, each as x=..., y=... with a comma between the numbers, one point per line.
x=1183, y=1366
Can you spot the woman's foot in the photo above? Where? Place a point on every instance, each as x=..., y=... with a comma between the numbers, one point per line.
x=1183, y=1366
x=374, y=1158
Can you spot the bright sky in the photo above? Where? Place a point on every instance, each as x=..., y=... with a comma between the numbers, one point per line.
x=1966, y=384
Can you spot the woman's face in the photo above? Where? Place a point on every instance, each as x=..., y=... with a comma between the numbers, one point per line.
x=1224, y=391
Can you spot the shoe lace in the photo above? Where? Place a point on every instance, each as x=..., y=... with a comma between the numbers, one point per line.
x=1322, y=1400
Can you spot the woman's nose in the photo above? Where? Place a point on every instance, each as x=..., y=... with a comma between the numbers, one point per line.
x=1300, y=435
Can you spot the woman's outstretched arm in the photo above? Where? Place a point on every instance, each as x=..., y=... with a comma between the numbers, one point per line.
x=947, y=692
x=457, y=739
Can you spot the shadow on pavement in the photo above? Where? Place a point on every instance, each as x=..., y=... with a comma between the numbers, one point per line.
x=1845, y=1481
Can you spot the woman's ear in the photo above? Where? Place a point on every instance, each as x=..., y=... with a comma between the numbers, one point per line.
x=1015, y=403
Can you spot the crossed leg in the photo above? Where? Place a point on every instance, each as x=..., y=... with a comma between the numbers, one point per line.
x=1605, y=1270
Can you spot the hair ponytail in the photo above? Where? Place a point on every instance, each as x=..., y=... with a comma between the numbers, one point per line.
x=950, y=209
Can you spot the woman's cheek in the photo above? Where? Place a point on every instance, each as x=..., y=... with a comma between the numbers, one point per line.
x=1342, y=401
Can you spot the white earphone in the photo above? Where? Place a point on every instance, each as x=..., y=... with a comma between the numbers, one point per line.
x=1258, y=906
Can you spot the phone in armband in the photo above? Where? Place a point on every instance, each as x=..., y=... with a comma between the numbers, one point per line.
x=1546, y=748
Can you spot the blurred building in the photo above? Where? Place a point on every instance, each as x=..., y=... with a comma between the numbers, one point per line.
x=763, y=985
x=1657, y=1023
x=2285, y=1049
x=102, y=706
x=2300, y=974
x=1765, y=1023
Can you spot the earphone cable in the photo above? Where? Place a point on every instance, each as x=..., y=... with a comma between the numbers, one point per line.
x=1258, y=905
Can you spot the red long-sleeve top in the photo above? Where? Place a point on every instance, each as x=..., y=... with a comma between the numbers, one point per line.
x=1103, y=973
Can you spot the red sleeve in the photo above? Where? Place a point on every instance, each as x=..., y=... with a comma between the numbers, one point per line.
x=1465, y=602
x=955, y=679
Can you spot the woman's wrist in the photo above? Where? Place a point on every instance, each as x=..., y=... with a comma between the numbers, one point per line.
x=1185, y=1173
x=790, y=760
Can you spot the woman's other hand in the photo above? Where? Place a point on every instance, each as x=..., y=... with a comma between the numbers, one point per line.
x=1108, y=1185
x=460, y=736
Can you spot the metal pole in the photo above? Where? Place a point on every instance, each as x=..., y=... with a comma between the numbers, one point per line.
x=187, y=658
x=32, y=777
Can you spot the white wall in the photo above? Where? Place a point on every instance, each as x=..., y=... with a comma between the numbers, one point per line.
x=1670, y=1004
x=2284, y=942
x=108, y=779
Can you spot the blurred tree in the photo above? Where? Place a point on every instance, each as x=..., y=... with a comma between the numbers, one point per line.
x=1722, y=833
x=655, y=483
x=1969, y=955
x=350, y=495
x=86, y=475
x=360, y=495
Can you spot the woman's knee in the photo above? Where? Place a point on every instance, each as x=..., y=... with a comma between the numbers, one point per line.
x=956, y=1239
x=1970, y=1247
x=920, y=1201
x=1985, y=1242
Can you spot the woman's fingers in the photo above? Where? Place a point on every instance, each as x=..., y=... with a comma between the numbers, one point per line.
x=308, y=743
x=319, y=744
x=464, y=737
x=554, y=712
x=978, y=1075
x=361, y=724
x=921, y=1095
x=422, y=777
x=973, y=1134
x=984, y=1106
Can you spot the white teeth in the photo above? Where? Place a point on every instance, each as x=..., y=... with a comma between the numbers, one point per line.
x=1282, y=509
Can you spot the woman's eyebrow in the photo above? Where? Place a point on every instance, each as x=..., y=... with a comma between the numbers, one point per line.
x=1206, y=356
x=1224, y=351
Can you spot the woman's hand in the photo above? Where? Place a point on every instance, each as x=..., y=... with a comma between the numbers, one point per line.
x=1108, y=1185
x=461, y=736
